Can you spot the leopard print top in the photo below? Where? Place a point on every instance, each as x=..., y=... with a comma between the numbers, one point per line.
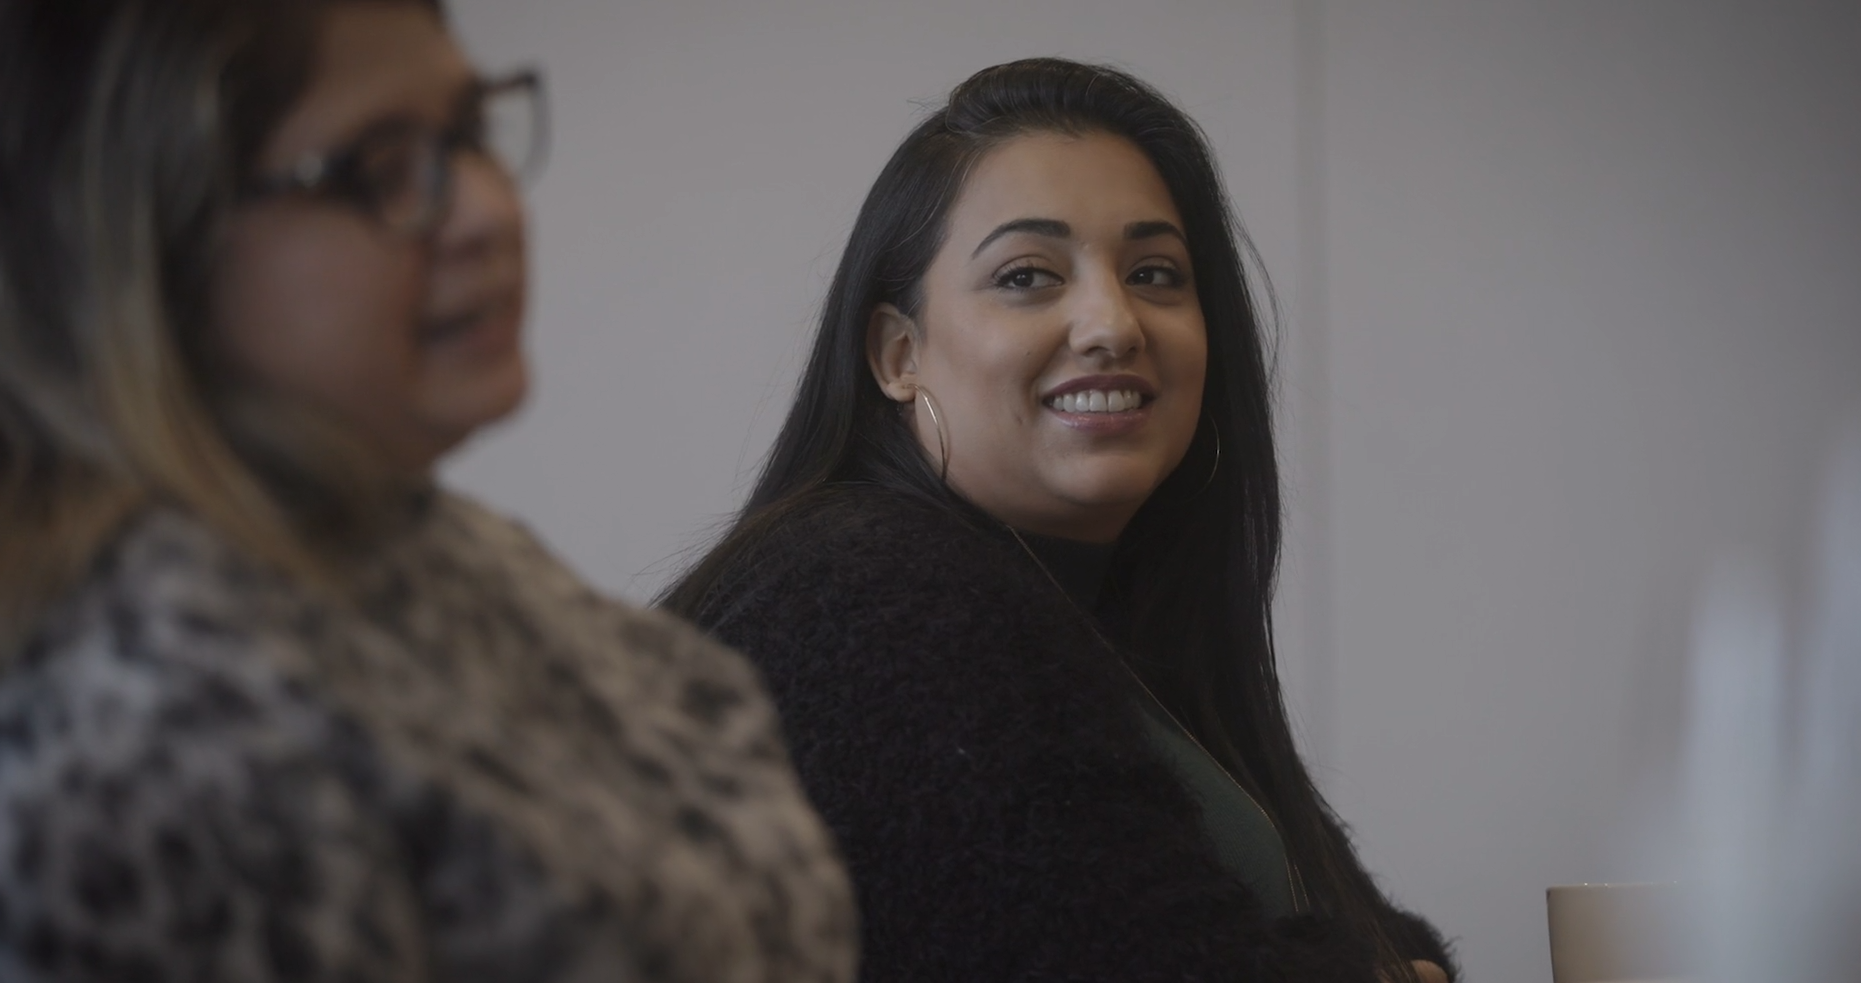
x=474, y=770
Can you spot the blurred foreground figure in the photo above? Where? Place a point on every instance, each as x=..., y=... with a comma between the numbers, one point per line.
x=271, y=705
x=1773, y=780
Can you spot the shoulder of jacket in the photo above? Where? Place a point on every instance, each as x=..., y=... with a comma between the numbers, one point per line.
x=872, y=519
x=558, y=603
x=173, y=641
x=904, y=568
x=878, y=536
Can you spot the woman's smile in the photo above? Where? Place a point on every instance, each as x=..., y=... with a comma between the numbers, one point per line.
x=1102, y=405
x=1059, y=334
x=491, y=323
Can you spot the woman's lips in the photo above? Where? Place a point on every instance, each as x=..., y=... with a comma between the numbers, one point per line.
x=1101, y=412
x=1102, y=405
x=1124, y=382
x=1097, y=401
x=489, y=326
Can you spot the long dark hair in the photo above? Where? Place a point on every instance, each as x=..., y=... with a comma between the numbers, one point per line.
x=1194, y=571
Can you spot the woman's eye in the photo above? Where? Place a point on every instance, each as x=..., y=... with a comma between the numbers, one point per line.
x=1026, y=278
x=386, y=169
x=1156, y=276
x=469, y=130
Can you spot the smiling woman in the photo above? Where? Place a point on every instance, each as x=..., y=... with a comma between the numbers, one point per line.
x=272, y=705
x=1009, y=566
x=1067, y=352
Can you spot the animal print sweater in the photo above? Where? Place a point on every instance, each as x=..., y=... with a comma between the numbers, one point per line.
x=473, y=770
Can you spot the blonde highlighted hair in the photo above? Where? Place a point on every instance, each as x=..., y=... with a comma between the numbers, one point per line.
x=126, y=129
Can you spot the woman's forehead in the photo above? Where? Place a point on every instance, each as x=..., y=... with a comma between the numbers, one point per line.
x=373, y=61
x=1095, y=183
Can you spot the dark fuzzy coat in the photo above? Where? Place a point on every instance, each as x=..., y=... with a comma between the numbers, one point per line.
x=978, y=753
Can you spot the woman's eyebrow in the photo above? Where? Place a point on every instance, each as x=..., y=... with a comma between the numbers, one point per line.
x=1152, y=229
x=1052, y=228
x=400, y=116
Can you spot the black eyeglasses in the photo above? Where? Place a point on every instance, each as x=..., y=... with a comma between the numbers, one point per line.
x=400, y=172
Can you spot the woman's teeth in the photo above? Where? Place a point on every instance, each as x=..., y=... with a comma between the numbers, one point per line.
x=1097, y=401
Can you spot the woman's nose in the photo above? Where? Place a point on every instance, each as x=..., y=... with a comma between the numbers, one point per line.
x=1105, y=324
x=486, y=213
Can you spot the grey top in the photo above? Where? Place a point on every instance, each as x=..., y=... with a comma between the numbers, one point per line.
x=477, y=770
x=1245, y=838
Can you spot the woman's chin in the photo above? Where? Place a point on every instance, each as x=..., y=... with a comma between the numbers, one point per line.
x=1118, y=486
x=489, y=399
x=1091, y=512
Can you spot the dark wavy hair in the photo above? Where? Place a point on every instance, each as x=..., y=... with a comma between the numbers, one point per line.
x=1193, y=573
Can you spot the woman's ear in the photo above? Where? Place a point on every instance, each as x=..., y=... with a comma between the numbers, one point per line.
x=892, y=352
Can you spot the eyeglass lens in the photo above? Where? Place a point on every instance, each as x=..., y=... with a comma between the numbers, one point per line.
x=513, y=133
x=408, y=179
x=405, y=180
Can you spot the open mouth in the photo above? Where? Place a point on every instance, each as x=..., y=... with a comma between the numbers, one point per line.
x=440, y=330
x=1098, y=401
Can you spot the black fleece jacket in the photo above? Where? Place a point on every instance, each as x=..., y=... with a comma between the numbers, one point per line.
x=978, y=754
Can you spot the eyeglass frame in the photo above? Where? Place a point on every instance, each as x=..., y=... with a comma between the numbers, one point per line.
x=322, y=174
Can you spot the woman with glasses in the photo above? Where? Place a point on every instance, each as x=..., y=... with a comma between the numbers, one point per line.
x=1009, y=566
x=272, y=706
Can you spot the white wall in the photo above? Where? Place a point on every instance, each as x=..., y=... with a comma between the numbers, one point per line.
x=1573, y=294
x=1595, y=300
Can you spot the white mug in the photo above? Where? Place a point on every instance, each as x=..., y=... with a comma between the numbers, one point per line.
x=1616, y=933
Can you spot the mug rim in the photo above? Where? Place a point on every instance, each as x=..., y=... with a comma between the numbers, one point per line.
x=1609, y=885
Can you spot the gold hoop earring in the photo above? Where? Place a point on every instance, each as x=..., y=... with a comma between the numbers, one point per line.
x=943, y=443
x=1217, y=467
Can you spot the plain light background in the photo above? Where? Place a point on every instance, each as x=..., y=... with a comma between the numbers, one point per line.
x=1571, y=300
